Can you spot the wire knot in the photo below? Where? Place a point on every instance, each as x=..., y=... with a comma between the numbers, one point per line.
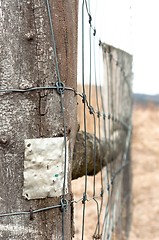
x=84, y=198
x=60, y=87
x=98, y=114
x=94, y=33
x=64, y=204
x=90, y=18
x=84, y=98
x=31, y=213
x=104, y=116
x=102, y=192
x=91, y=110
x=109, y=116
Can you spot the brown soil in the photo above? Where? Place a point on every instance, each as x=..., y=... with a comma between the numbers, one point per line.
x=145, y=165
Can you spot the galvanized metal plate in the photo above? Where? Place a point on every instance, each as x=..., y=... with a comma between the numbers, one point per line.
x=44, y=166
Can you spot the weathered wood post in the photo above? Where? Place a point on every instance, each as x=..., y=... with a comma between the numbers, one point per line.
x=27, y=60
x=118, y=72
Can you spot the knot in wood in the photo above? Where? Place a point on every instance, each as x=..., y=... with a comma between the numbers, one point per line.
x=29, y=36
x=4, y=140
x=98, y=236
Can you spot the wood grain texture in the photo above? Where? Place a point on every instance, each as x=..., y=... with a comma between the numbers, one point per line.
x=27, y=60
x=99, y=153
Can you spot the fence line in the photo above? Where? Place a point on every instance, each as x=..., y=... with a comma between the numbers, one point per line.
x=105, y=112
x=107, y=108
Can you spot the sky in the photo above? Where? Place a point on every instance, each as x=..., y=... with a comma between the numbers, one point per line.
x=132, y=26
x=145, y=27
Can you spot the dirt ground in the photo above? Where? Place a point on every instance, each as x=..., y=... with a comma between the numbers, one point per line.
x=145, y=160
x=145, y=168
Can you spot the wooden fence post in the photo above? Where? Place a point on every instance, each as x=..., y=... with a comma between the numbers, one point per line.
x=27, y=60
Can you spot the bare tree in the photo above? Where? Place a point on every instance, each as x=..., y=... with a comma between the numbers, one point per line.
x=27, y=60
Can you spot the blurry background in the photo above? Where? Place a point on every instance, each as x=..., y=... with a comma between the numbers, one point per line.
x=132, y=26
